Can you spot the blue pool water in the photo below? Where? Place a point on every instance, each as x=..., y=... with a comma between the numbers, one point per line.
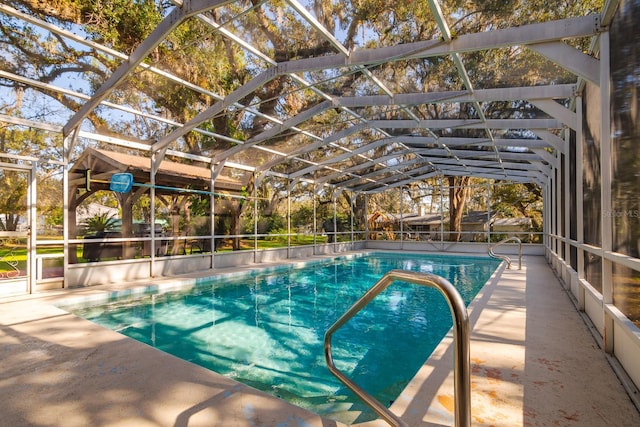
x=266, y=328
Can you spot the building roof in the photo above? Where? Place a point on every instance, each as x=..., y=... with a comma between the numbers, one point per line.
x=478, y=217
x=103, y=164
x=512, y=222
x=425, y=220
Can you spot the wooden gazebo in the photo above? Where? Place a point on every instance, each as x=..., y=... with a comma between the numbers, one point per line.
x=94, y=168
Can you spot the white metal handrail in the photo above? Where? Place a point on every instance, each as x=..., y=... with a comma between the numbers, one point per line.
x=504, y=257
x=461, y=369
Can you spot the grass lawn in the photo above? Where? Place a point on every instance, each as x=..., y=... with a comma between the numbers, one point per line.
x=15, y=255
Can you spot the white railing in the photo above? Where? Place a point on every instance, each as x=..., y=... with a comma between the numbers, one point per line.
x=504, y=257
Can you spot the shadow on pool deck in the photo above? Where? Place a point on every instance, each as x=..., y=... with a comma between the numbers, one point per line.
x=534, y=363
x=60, y=370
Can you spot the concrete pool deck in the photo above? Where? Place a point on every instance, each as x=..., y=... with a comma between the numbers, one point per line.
x=534, y=363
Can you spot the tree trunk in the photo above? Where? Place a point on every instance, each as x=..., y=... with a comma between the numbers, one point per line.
x=176, y=204
x=458, y=195
x=126, y=203
x=235, y=225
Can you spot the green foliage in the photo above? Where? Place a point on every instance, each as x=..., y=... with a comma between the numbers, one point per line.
x=518, y=200
x=274, y=222
x=13, y=198
x=201, y=226
x=55, y=217
x=195, y=52
x=99, y=223
x=277, y=235
x=223, y=225
x=342, y=222
x=302, y=217
x=200, y=205
x=13, y=185
x=121, y=24
x=266, y=224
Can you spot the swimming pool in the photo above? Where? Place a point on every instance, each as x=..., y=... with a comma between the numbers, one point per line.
x=265, y=328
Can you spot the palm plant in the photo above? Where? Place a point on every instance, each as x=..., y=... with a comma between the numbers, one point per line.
x=99, y=223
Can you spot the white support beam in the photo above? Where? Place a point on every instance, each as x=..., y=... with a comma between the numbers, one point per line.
x=404, y=99
x=364, y=165
x=168, y=24
x=216, y=169
x=441, y=21
x=275, y=130
x=360, y=150
x=494, y=169
x=156, y=159
x=30, y=123
x=404, y=182
x=314, y=146
x=580, y=198
x=555, y=30
x=520, y=143
x=557, y=111
x=418, y=142
x=566, y=168
x=545, y=168
x=363, y=149
x=380, y=171
x=508, y=166
x=510, y=175
x=411, y=140
x=606, y=176
x=554, y=140
x=462, y=71
x=546, y=156
x=335, y=43
x=563, y=91
x=215, y=109
x=467, y=124
x=471, y=154
x=570, y=59
x=487, y=174
x=583, y=26
x=394, y=178
x=557, y=173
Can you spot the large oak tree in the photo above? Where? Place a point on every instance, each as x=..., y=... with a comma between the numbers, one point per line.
x=199, y=54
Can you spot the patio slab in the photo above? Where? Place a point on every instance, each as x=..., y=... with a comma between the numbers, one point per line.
x=534, y=363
